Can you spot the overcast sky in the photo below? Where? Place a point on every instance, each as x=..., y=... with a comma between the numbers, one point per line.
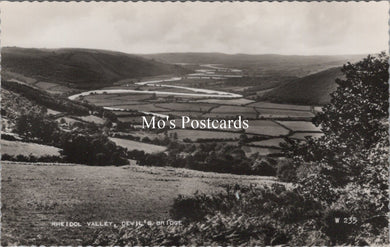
x=254, y=28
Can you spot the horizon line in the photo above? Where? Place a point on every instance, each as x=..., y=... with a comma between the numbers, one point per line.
x=199, y=52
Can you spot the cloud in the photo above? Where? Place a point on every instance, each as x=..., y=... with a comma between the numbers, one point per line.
x=151, y=27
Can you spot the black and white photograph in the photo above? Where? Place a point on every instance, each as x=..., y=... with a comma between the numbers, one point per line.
x=194, y=123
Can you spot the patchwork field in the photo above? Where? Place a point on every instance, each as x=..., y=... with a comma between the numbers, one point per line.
x=266, y=127
x=33, y=196
x=301, y=135
x=300, y=126
x=262, y=151
x=187, y=106
x=141, y=107
x=134, y=145
x=241, y=101
x=204, y=134
x=276, y=113
x=92, y=119
x=263, y=104
x=274, y=142
x=23, y=148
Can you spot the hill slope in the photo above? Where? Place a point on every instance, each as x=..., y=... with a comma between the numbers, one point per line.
x=81, y=68
x=313, y=89
x=289, y=65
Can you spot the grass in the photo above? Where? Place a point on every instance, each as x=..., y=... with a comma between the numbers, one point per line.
x=313, y=89
x=262, y=151
x=281, y=113
x=300, y=126
x=280, y=106
x=92, y=119
x=301, y=136
x=134, y=145
x=142, y=107
x=204, y=134
x=266, y=127
x=201, y=107
x=24, y=148
x=33, y=196
x=274, y=142
x=241, y=101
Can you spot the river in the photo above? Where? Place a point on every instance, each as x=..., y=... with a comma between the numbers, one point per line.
x=198, y=92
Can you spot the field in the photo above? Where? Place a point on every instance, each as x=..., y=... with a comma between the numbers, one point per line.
x=301, y=136
x=33, y=196
x=269, y=143
x=281, y=113
x=281, y=106
x=266, y=127
x=24, y=148
x=227, y=101
x=262, y=151
x=141, y=107
x=92, y=119
x=134, y=145
x=204, y=134
x=187, y=106
x=232, y=111
x=300, y=126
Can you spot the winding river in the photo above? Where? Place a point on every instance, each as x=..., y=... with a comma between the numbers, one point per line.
x=197, y=92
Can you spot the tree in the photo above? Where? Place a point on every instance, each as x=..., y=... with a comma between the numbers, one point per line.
x=354, y=121
x=35, y=125
x=347, y=168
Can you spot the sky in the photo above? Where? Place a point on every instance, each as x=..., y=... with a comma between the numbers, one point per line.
x=299, y=28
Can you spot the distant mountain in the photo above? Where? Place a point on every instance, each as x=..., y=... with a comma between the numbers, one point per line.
x=313, y=89
x=289, y=65
x=81, y=68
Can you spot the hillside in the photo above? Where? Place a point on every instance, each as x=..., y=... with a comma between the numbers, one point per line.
x=81, y=68
x=314, y=89
x=289, y=65
x=38, y=194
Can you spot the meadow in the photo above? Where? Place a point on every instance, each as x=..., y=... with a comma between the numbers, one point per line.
x=134, y=145
x=25, y=148
x=34, y=195
x=266, y=120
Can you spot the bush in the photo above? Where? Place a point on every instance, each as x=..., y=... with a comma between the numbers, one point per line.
x=286, y=171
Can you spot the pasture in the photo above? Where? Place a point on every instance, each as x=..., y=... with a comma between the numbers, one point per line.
x=281, y=113
x=302, y=135
x=274, y=142
x=300, y=126
x=200, y=107
x=92, y=119
x=134, y=145
x=34, y=195
x=23, y=148
x=263, y=104
x=262, y=151
x=194, y=135
x=266, y=127
x=240, y=101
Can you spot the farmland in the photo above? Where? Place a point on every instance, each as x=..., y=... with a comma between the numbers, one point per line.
x=134, y=145
x=266, y=127
x=266, y=119
x=23, y=148
x=204, y=134
x=33, y=196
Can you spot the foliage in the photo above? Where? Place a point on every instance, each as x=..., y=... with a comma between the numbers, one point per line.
x=347, y=168
x=239, y=216
x=210, y=157
x=87, y=146
x=35, y=126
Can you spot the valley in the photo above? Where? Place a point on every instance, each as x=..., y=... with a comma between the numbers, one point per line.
x=89, y=159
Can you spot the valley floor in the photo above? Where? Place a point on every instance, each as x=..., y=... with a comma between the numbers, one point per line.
x=35, y=195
